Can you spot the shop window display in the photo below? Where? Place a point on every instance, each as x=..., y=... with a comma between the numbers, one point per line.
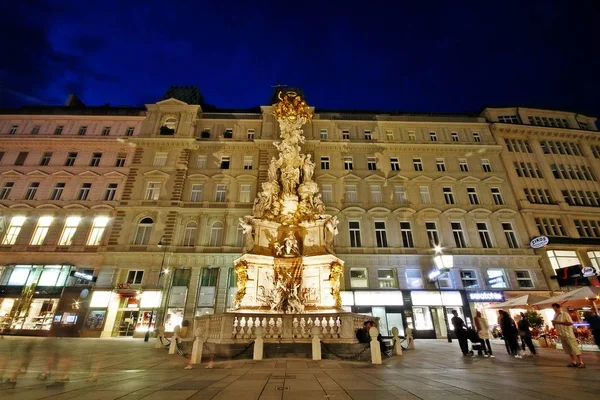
x=38, y=316
x=173, y=318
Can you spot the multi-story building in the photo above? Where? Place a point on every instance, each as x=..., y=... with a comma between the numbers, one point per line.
x=551, y=159
x=62, y=173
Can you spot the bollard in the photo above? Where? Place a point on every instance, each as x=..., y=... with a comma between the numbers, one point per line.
x=258, y=343
x=397, y=345
x=196, y=357
x=375, y=349
x=173, y=345
x=316, y=342
x=159, y=336
x=410, y=339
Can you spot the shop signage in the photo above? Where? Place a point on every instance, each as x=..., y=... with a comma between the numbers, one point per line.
x=588, y=271
x=488, y=297
x=84, y=276
x=572, y=276
x=497, y=280
x=539, y=242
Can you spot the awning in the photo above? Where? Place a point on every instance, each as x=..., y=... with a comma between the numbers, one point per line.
x=579, y=298
x=526, y=301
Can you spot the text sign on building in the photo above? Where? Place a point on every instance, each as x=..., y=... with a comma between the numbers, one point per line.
x=588, y=271
x=497, y=280
x=488, y=297
x=539, y=242
x=84, y=276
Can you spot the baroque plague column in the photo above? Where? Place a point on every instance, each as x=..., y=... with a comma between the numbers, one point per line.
x=288, y=265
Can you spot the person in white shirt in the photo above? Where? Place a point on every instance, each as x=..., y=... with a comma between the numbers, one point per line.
x=483, y=331
x=564, y=328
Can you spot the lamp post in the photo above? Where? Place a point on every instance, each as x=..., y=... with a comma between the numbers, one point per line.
x=160, y=274
x=443, y=264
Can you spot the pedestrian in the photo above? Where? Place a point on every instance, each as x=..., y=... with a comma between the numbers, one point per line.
x=500, y=315
x=525, y=334
x=461, y=333
x=509, y=332
x=483, y=331
x=593, y=319
x=564, y=329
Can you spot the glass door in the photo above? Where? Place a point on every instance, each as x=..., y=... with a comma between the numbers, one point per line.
x=437, y=313
x=128, y=323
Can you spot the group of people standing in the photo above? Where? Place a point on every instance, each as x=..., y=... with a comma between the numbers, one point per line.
x=512, y=329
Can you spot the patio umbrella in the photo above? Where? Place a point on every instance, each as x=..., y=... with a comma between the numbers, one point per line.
x=525, y=301
x=582, y=297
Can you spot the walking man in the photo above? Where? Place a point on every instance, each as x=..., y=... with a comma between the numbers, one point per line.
x=461, y=333
x=564, y=329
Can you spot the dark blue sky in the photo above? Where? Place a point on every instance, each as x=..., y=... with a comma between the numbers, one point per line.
x=407, y=56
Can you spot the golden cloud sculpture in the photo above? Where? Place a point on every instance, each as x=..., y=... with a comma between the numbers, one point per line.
x=291, y=107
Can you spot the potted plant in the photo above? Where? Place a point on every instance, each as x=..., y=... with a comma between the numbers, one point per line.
x=165, y=130
x=536, y=321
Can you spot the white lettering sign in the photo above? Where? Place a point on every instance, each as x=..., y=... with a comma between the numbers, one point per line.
x=588, y=271
x=539, y=242
x=486, y=296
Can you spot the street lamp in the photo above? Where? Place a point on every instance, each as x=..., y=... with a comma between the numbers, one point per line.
x=161, y=272
x=443, y=264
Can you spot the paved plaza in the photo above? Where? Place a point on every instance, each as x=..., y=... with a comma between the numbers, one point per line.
x=131, y=369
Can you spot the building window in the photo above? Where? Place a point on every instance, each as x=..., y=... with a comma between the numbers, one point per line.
x=550, y=227
x=524, y=279
x=71, y=224
x=228, y=133
x=380, y=234
x=527, y=170
x=129, y=131
x=433, y=136
x=153, y=190
x=454, y=137
x=476, y=137
x=575, y=172
x=587, y=228
x=463, y=165
x=196, y=195
x=98, y=227
x=13, y=129
x=418, y=164
x=248, y=161
x=135, y=277
x=473, y=197
x=216, y=234
x=111, y=191
x=595, y=150
x=31, y=190
x=406, y=234
x=358, y=278
x=395, y=163
x=540, y=196
x=1, y=155
x=58, y=130
x=497, y=196
x=351, y=195
x=376, y=197
x=508, y=119
x=224, y=162
x=57, y=191
x=144, y=229
x=511, y=237
x=400, y=192
x=84, y=191
x=424, y=194
x=106, y=131
x=484, y=235
x=14, y=228
x=348, y=164
x=414, y=278
x=582, y=125
x=368, y=135
x=325, y=162
x=469, y=278
x=201, y=162
x=327, y=193
x=389, y=135
x=6, y=189
x=45, y=160
x=518, y=145
x=95, y=161
x=323, y=134
x=21, y=157
x=345, y=134
x=120, y=160
x=448, y=195
x=82, y=130
x=250, y=134
x=221, y=193
x=354, y=230
x=35, y=129
x=245, y=193
x=160, y=159
x=41, y=230
x=595, y=259
x=71, y=157
x=412, y=137
x=386, y=278
x=562, y=258
x=189, y=234
x=459, y=235
x=496, y=279
x=371, y=163
x=440, y=164
x=432, y=233
x=486, y=166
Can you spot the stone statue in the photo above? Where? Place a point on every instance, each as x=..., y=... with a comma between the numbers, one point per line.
x=241, y=270
x=337, y=271
x=272, y=172
x=308, y=169
x=290, y=178
x=290, y=244
x=330, y=231
x=247, y=229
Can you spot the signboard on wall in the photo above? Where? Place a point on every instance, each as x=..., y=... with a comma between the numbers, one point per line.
x=572, y=276
x=539, y=242
x=177, y=296
x=486, y=297
x=497, y=280
x=84, y=276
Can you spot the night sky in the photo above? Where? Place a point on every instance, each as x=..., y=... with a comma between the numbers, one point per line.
x=370, y=55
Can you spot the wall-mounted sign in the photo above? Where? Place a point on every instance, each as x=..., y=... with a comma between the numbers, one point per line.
x=488, y=297
x=84, y=276
x=539, y=242
x=588, y=271
x=497, y=280
x=571, y=276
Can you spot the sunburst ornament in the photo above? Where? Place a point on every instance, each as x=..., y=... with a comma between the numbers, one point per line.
x=291, y=107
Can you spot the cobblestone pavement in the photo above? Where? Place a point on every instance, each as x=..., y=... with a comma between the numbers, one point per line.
x=131, y=369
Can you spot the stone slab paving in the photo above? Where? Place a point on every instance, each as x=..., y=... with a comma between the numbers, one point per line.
x=130, y=369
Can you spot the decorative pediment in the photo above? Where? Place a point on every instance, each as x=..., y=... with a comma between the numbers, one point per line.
x=374, y=178
x=12, y=172
x=479, y=211
x=454, y=211
x=37, y=173
x=493, y=180
x=376, y=210
x=88, y=174
x=326, y=178
x=156, y=174
x=114, y=174
x=404, y=211
x=246, y=177
x=353, y=210
x=222, y=177
x=446, y=179
x=332, y=210
x=470, y=179
x=422, y=178
x=398, y=178
x=351, y=178
x=48, y=206
x=64, y=174
x=429, y=211
x=102, y=207
x=75, y=207
x=171, y=102
x=21, y=205
x=198, y=177
x=504, y=212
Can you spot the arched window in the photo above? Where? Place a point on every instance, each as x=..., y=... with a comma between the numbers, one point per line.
x=216, y=234
x=171, y=123
x=144, y=230
x=189, y=235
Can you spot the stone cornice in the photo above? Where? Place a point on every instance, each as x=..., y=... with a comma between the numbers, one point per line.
x=371, y=146
x=95, y=143
x=543, y=132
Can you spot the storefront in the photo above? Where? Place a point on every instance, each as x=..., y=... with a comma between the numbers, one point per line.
x=387, y=305
x=484, y=301
x=123, y=312
x=429, y=307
